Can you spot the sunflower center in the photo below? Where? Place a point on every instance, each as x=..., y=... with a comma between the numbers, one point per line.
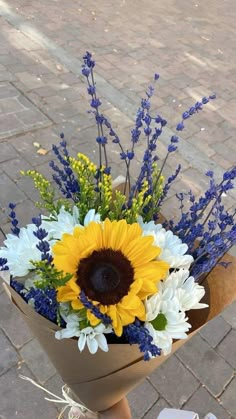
x=105, y=276
x=160, y=322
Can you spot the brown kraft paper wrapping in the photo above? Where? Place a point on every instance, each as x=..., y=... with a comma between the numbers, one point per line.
x=103, y=379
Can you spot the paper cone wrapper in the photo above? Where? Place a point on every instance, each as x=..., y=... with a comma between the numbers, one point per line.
x=103, y=379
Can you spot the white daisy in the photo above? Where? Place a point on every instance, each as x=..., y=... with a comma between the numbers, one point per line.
x=187, y=291
x=19, y=251
x=173, y=251
x=93, y=337
x=66, y=222
x=164, y=320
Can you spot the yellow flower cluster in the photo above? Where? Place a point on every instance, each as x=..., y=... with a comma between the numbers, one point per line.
x=85, y=171
x=105, y=186
x=44, y=188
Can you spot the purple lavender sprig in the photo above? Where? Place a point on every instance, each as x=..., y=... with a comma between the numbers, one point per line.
x=208, y=224
x=95, y=310
x=87, y=71
x=43, y=245
x=135, y=333
x=3, y=264
x=64, y=176
x=12, y=215
x=193, y=110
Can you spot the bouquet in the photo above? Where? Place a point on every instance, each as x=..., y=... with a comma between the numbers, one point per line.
x=102, y=278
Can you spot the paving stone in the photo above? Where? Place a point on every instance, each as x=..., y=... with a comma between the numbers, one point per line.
x=17, y=113
x=10, y=105
x=140, y=405
x=7, y=91
x=163, y=380
x=26, y=184
x=156, y=409
x=10, y=125
x=24, y=146
x=206, y=364
x=55, y=384
x=9, y=191
x=37, y=361
x=215, y=330
x=136, y=402
x=229, y=314
x=226, y=164
x=227, y=348
x=228, y=398
x=9, y=356
x=12, y=323
x=21, y=399
x=7, y=152
x=7, y=76
x=14, y=166
x=202, y=403
x=226, y=152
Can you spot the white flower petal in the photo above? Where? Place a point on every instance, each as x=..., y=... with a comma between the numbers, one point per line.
x=102, y=342
x=173, y=251
x=82, y=342
x=91, y=216
x=92, y=344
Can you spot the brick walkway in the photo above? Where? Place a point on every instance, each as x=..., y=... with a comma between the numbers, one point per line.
x=191, y=44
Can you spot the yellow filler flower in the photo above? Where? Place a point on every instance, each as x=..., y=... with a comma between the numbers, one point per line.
x=115, y=267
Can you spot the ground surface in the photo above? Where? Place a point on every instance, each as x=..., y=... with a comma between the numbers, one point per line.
x=191, y=43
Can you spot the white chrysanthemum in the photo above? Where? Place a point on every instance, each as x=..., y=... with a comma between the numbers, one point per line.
x=186, y=290
x=173, y=251
x=66, y=222
x=19, y=251
x=164, y=321
x=94, y=337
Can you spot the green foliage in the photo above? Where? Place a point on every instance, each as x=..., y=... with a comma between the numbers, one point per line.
x=49, y=276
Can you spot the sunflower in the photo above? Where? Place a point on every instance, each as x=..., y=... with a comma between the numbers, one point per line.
x=115, y=267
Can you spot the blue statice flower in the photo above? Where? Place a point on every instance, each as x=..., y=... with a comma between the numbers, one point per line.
x=208, y=222
x=64, y=176
x=12, y=215
x=95, y=310
x=43, y=245
x=194, y=109
x=136, y=333
x=3, y=264
x=167, y=186
x=44, y=302
x=18, y=287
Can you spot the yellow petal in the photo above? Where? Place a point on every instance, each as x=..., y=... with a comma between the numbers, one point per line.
x=116, y=320
x=126, y=316
x=130, y=301
x=106, y=233
x=134, y=231
x=94, y=321
x=76, y=304
x=65, y=293
x=141, y=251
x=136, y=286
x=118, y=235
x=74, y=286
x=94, y=234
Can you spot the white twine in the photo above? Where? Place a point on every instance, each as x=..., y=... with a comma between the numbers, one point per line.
x=76, y=408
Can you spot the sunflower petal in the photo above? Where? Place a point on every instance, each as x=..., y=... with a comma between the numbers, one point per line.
x=65, y=293
x=76, y=304
x=141, y=251
x=92, y=319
